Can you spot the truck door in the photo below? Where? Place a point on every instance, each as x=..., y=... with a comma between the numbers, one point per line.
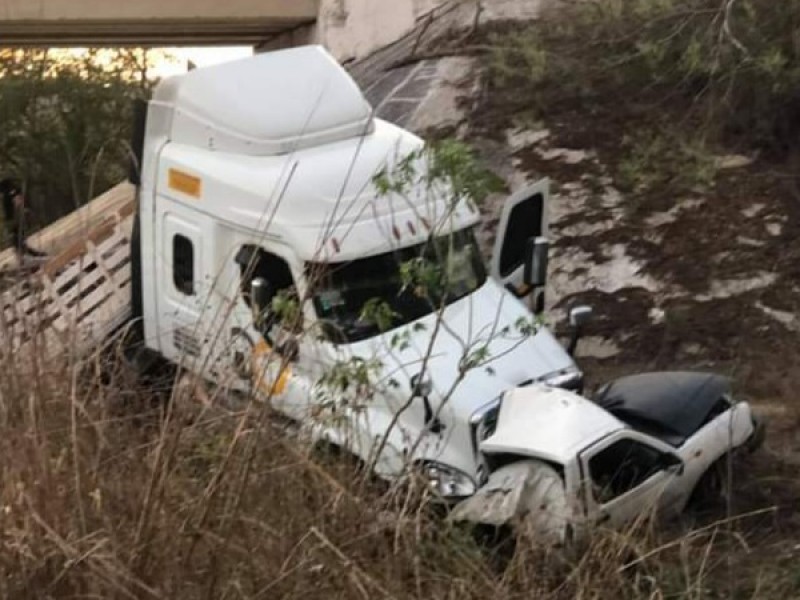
x=524, y=217
x=278, y=369
x=180, y=299
x=625, y=478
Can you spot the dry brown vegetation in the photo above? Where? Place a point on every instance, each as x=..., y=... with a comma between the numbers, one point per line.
x=117, y=487
x=114, y=486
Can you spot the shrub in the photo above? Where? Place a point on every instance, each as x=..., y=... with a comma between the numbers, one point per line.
x=67, y=123
x=655, y=159
x=730, y=68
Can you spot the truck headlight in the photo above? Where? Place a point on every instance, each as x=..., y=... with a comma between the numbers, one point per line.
x=448, y=482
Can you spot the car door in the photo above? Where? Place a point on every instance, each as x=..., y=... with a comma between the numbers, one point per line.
x=627, y=476
x=524, y=217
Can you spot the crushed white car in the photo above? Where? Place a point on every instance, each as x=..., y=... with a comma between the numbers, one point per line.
x=560, y=464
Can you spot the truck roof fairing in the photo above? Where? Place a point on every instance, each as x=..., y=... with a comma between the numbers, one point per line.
x=314, y=196
x=266, y=105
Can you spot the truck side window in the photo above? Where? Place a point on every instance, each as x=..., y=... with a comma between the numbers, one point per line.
x=621, y=467
x=256, y=262
x=183, y=264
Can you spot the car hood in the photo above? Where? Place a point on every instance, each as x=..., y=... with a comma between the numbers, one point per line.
x=548, y=423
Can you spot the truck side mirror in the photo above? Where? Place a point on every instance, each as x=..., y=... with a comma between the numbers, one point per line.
x=537, y=252
x=261, y=293
x=579, y=316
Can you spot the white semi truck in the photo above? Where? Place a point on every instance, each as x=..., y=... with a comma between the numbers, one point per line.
x=257, y=182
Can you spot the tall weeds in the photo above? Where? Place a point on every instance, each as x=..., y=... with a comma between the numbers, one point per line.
x=114, y=489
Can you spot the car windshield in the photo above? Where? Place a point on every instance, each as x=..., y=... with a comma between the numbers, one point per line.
x=342, y=290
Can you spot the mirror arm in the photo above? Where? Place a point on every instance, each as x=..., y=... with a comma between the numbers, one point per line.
x=575, y=337
x=578, y=317
x=420, y=388
x=431, y=421
x=264, y=322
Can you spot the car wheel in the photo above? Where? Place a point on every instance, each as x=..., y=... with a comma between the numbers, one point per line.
x=759, y=433
x=713, y=490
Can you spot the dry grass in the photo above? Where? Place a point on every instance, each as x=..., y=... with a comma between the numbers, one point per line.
x=111, y=491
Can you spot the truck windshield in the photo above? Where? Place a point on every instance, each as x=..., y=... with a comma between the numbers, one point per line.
x=342, y=290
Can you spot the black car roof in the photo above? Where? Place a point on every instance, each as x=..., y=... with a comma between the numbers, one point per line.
x=677, y=402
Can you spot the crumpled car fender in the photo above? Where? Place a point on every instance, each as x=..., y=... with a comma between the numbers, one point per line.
x=527, y=494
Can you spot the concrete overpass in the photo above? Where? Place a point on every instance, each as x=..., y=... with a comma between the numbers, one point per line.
x=151, y=22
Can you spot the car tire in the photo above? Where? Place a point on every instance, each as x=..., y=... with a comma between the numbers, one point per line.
x=712, y=491
x=756, y=439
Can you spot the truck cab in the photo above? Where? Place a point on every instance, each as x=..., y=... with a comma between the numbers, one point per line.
x=258, y=183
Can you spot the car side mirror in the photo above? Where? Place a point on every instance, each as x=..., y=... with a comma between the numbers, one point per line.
x=537, y=252
x=261, y=293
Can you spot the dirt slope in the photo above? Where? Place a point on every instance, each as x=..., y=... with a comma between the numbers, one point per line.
x=700, y=281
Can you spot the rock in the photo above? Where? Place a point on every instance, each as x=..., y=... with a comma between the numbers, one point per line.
x=732, y=161
x=692, y=349
x=524, y=138
x=565, y=155
x=774, y=228
x=746, y=241
x=727, y=288
x=597, y=347
x=752, y=210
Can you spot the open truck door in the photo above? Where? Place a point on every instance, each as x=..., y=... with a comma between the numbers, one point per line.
x=519, y=260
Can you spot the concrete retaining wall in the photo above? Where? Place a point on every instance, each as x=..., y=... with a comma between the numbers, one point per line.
x=352, y=29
